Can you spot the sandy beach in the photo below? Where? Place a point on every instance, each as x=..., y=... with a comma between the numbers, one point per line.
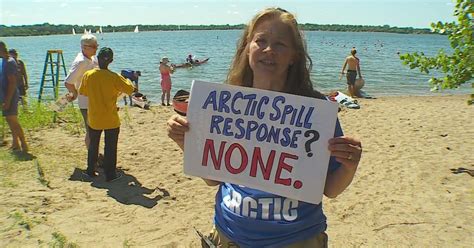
x=410, y=189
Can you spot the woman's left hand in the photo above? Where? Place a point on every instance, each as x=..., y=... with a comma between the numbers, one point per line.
x=347, y=151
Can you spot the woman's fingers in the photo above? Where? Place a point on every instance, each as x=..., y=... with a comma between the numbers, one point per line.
x=345, y=140
x=177, y=126
x=346, y=150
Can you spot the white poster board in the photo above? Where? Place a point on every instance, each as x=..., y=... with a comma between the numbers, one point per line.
x=261, y=139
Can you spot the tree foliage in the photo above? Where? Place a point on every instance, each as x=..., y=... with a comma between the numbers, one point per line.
x=51, y=29
x=457, y=67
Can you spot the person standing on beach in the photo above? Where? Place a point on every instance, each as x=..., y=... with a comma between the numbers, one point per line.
x=22, y=83
x=272, y=55
x=353, y=68
x=102, y=87
x=165, y=71
x=84, y=61
x=9, y=99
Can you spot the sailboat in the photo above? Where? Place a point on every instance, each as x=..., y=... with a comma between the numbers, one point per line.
x=136, y=29
x=73, y=31
x=85, y=31
x=100, y=29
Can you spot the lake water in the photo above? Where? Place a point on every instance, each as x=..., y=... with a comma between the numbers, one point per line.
x=381, y=67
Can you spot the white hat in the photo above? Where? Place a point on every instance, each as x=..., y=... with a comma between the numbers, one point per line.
x=163, y=59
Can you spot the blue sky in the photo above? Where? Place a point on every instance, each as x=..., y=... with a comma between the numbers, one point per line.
x=401, y=13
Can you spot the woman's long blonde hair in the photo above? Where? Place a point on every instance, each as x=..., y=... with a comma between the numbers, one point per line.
x=298, y=81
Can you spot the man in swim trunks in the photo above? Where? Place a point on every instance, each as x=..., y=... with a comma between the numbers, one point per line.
x=353, y=68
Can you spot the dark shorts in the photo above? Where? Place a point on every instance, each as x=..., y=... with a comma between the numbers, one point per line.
x=351, y=77
x=13, y=110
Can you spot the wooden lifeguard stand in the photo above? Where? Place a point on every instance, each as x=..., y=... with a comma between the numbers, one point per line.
x=51, y=73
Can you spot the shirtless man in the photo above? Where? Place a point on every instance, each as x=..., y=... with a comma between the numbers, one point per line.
x=353, y=69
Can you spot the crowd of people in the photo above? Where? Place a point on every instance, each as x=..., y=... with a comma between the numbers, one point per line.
x=271, y=55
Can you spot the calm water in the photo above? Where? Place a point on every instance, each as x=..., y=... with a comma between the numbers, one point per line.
x=381, y=67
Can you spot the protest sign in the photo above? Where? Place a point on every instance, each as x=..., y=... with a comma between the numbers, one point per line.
x=266, y=140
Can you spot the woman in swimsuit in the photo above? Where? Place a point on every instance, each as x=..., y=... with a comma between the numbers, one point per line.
x=165, y=71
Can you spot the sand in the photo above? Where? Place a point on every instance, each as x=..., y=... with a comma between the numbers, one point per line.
x=408, y=191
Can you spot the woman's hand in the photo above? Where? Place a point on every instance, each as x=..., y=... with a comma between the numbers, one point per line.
x=347, y=151
x=177, y=126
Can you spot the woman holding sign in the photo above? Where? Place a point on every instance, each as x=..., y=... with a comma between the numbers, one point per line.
x=272, y=55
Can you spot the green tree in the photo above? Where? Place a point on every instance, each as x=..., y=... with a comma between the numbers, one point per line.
x=457, y=67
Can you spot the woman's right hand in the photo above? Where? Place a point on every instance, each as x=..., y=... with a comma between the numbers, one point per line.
x=177, y=126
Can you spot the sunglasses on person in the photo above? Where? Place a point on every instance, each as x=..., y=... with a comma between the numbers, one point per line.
x=92, y=46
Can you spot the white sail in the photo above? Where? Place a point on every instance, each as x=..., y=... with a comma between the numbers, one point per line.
x=73, y=31
x=100, y=29
x=85, y=31
x=90, y=31
x=136, y=29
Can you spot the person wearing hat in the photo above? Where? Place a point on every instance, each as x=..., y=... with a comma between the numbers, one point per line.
x=102, y=87
x=22, y=77
x=165, y=71
x=9, y=99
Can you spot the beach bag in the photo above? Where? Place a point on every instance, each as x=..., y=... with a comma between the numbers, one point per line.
x=359, y=83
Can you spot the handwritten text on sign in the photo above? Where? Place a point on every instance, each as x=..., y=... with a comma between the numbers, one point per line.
x=261, y=139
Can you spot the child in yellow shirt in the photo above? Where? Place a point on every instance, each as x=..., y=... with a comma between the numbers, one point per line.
x=102, y=87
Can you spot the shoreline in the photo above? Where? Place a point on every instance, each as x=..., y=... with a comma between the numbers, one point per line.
x=65, y=29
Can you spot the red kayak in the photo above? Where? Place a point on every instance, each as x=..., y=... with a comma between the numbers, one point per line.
x=180, y=102
x=189, y=65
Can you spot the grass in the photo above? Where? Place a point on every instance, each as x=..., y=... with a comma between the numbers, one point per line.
x=41, y=178
x=38, y=116
x=23, y=221
x=60, y=241
x=126, y=117
x=127, y=243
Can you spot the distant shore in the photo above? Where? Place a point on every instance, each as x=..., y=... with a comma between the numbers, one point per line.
x=52, y=29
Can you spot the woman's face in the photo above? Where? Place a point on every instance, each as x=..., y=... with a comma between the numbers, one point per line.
x=271, y=52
